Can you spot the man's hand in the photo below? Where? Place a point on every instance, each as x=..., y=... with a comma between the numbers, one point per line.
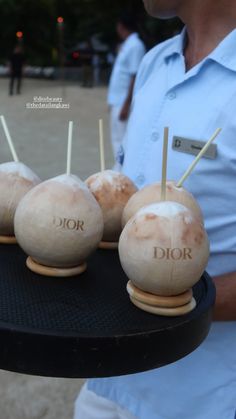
x=225, y=309
x=124, y=114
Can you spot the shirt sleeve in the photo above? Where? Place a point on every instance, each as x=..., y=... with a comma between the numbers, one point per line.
x=136, y=55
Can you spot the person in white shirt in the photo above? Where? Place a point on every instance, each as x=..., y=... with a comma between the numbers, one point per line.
x=189, y=84
x=122, y=79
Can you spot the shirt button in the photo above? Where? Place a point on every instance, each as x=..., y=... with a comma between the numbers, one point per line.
x=155, y=136
x=140, y=179
x=172, y=96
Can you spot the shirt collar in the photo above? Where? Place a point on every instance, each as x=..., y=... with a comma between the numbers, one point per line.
x=132, y=36
x=224, y=53
x=177, y=46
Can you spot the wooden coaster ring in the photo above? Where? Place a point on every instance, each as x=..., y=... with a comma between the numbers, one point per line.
x=168, y=312
x=157, y=300
x=54, y=272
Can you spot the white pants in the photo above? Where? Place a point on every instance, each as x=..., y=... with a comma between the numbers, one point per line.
x=118, y=129
x=90, y=406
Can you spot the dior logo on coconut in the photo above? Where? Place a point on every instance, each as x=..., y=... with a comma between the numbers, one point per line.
x=68, y=223
x=172, y=254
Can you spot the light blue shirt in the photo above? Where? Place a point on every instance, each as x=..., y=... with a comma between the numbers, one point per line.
x=193, y=104
x=126, y=65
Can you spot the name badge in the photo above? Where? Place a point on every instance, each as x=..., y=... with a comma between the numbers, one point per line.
x=186, y=145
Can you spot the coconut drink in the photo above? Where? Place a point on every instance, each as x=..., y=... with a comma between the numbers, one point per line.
x=164, y=251
x=112, y=190
x=16, y=179
x=59, y=224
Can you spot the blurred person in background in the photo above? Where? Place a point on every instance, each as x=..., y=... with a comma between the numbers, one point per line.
x=122, y=79
x=96, y=62
x=87, y=65
x=16, y=66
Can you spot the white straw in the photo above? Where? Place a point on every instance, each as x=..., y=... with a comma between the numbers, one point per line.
x=9, y=140
x=164, y=164
x=199, y=156
x=69, y=149
x=101, y=140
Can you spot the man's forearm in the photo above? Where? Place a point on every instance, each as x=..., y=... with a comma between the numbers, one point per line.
x=225, y=309
x=124, y=114
x=131, y=90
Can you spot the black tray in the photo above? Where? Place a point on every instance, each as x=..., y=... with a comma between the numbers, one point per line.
x=86, y=326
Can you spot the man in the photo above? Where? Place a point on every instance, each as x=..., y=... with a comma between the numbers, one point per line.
x=16, y=64
x=87, y=65
x=122, y=79
x=189, y=84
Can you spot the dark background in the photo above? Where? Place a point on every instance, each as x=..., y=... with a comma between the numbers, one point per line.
x=82, y=19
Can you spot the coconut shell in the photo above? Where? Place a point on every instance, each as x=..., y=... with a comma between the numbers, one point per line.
x=164, y=249
x=59, y=223
x=16, y=180
x=112, y=191
x=152, y=193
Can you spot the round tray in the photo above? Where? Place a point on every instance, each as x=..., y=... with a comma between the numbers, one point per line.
x=86, y=326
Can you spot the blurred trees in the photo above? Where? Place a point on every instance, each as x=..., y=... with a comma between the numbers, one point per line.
x=37, y=19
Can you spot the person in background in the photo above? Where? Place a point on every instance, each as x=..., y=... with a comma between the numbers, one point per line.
x=189, y=84
x=122, y=79
x=87, y=65
x=96, y=63
x=16, y=65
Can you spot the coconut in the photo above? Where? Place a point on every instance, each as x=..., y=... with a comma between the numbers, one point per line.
x=152, y=193
x=164, y=249
x=112, y=191
x=16, y=180
x=59, y=223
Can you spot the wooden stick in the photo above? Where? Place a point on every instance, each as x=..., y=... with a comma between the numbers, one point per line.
x=199, y=156
x=9, y=139
x=69, y=148
x=164, y=164
x=101, y=140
